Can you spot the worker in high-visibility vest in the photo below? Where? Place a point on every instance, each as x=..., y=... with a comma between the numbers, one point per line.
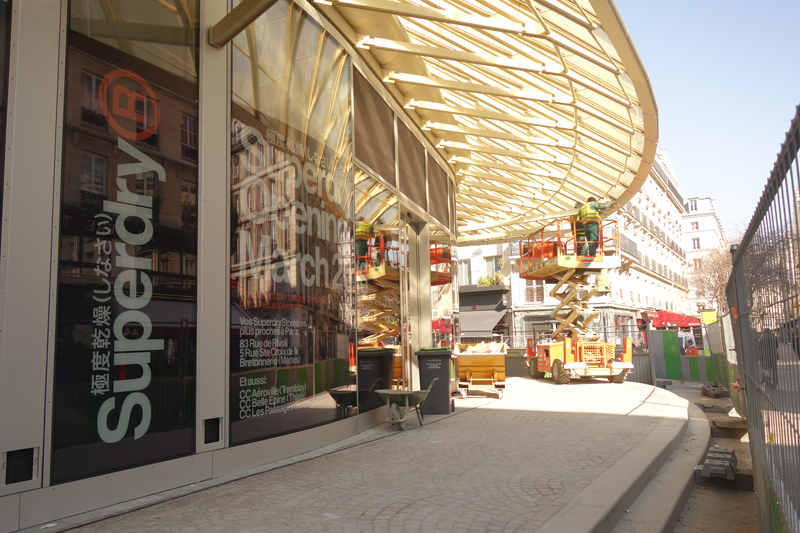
x=590, y=216
x=577, y=227
x=363, y=231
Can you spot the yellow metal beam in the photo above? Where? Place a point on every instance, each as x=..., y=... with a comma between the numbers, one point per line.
x=440, y=83
x=237, y=20
x=365, y=41
x=436, y=15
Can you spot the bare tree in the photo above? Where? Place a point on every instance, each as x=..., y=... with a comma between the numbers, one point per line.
x=770, y=273
x=710, y=278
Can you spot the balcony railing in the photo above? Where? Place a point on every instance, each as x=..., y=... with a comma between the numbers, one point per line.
x=92, y=200
x=188, y=152
x=151, y=141
x=92, y=117
x=629, y=246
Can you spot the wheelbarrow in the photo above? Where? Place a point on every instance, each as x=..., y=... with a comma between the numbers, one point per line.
x=401, y=401
x=346, y=398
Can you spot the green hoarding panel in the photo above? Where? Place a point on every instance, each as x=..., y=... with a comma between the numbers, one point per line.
x=672, y=355
x=711, y=375
x=721, y=370
x=694, y=371
x=318, y=378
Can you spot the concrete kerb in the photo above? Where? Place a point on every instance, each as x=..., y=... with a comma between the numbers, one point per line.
x=661, y=503
x=599, y=506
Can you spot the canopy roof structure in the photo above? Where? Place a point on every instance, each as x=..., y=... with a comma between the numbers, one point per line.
x=535, y=105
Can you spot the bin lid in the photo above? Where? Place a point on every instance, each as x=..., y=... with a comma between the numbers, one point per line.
x=375, y=351
x=434, y=351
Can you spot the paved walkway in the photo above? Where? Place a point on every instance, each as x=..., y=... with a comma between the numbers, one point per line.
x=544, y=458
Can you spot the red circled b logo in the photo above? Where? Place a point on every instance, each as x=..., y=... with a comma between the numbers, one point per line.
x=123, y=104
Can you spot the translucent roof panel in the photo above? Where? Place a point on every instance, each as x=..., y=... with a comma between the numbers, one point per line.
x=535, y=105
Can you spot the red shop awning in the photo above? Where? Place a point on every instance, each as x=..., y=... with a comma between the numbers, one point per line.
x=666, y=319
x=442, y=326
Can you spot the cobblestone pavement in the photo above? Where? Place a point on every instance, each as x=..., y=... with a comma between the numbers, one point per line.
x=493, y=465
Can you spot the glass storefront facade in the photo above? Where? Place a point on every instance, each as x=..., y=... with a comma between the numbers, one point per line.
x=292, y=322
x=340, y=246
x=124, y=390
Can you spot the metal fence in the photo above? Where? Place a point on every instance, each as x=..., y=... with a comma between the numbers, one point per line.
x=612, y=334
x=763, y=296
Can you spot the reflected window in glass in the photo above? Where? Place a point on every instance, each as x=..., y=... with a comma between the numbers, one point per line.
x=93, y=173
x=189, y=138
x=90, y=101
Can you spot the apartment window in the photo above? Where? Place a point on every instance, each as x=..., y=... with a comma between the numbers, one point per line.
x=90, y=101
x=697, y=263
x=146, y=183
x=695, y=225
x=696, y=243
x=145, y=115
x=190, y=266
x=189, y=138
x=255, y=158
x=93, y=173
x=464, y=272
x=692, y=205
x=163, y=262
x=493, y=264
x=534, y=291
x=189, y=204
x=236, y=163
x=236, y=133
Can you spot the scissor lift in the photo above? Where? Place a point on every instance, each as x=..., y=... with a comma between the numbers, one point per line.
x=380, y=273
x=554, y=253
x=379, y=291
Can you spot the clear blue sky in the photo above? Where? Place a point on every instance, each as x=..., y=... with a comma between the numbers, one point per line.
x=726, y=78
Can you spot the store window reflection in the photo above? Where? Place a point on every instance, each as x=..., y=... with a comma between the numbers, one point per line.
x=443, y=262
x=292, y=362
x=378, y=268
x=124, y=391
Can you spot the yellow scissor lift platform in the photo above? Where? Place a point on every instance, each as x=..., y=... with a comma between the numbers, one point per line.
x=379, y=273
x=554, y=253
